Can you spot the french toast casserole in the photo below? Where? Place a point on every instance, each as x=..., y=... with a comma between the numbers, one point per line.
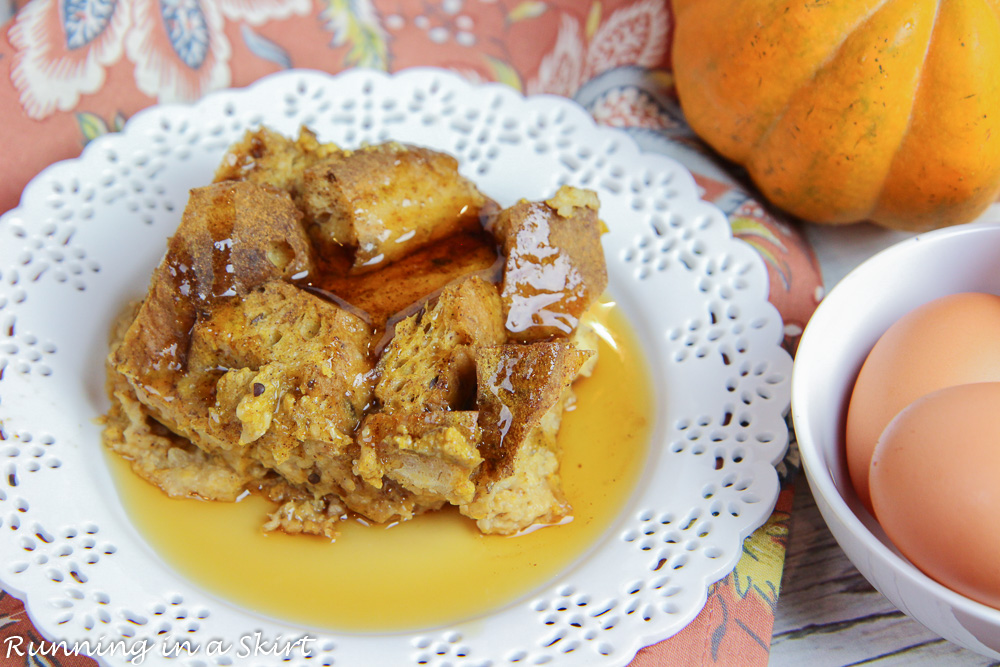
x=359, y=331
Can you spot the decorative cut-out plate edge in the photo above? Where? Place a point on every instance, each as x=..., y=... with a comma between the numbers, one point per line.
x=88, y=232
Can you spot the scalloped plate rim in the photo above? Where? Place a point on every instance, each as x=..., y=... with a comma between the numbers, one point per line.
x=44, y=622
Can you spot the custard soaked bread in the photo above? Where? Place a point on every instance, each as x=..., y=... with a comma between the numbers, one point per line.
x=384, y=201
x=387, y=200
x=429, y=363
x=312, y=335
x=522, y=391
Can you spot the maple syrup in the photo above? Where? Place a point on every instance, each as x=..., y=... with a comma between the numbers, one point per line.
x=435, y=569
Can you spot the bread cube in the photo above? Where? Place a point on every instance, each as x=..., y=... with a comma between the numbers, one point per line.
x=554, y=266
x=431, y=454
x=522, y=389
x=387, y=200
x=428, y=363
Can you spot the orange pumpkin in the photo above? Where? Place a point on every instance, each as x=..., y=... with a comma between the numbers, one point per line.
x=848, y=110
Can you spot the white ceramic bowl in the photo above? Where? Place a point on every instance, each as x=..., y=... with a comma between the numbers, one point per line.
x=836, y=341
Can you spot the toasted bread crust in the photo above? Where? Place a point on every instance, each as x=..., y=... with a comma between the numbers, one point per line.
x=265, y=157
x=554, y=267
x=387, y=200
x=428, y=364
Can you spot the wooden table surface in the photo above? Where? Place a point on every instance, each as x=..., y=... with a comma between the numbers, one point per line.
x=828, y=615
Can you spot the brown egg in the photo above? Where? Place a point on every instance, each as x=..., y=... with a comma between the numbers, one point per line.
x=949, y=341
x=934, y=486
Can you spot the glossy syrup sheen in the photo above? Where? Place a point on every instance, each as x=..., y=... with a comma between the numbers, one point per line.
x=434, y=569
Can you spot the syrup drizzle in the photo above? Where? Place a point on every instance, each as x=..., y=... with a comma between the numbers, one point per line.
x=435, y=569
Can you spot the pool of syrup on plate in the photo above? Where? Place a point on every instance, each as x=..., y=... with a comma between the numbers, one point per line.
x=435, y=569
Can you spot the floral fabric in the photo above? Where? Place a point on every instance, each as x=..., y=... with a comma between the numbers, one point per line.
x=71, y=70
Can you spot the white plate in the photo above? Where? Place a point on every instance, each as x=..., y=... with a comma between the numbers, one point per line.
x=89, y=231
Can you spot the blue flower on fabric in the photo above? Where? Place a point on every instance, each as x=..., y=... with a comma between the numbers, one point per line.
x=85, y=20
x=187, y=29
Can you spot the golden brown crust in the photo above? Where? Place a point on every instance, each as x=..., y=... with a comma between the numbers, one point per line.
x=517, y=386
x=156, y=453
x=428, y=364
x=554, y=267
x=530, y=495
x=232, y=237
x=387, y=200
x=265, y=157
x=289, y=367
